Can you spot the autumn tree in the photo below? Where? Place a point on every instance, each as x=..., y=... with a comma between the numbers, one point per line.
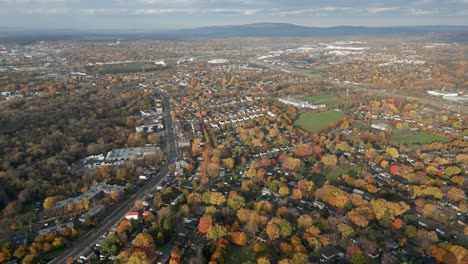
x=206, y=222
x=329, y=160
x=144, y=240
x=235, y=201
x=238, y=238
x=138, y=257
x=392, y=152
x=49, y=201
x=216, y=232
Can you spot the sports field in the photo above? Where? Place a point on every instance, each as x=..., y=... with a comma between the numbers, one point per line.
x=327, y=99
x=317, y=121
x=417, y=139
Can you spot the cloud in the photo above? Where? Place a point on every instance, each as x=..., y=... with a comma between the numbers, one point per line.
x=45, y=11
x=420, y=12
x=161, y=11
x=20, y=2
x=375, y=10
x=105, y=11
x=315, y=11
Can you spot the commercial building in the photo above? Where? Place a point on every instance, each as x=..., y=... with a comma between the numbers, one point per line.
x=442, y=93
x=129, y=153
x=302, y=103
x=381, y=127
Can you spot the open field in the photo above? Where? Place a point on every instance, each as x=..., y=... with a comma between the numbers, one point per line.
x=317, y=121
x=127, y=68
x=327, y=99
x=417, y=139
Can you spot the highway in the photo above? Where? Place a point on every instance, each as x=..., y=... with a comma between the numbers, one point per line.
x=82, y=244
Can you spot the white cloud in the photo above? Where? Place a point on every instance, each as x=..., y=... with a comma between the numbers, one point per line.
x=375, y=10
x=420, y=12
x=160, y=11
x=104, y=11
x=45, y=11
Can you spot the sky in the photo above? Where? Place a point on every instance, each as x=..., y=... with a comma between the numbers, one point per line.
x=159, y=15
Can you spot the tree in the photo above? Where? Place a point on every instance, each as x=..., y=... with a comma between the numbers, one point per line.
x=20, y=252
x=124, y=226
x=283, y=191
x=394, y=169
x=345, y=230
x=460, y=252
x=238, y=238
x=455, y=194
x=392, y=152
x=216, y=232
x=437, y=252
x=263, y=260
x=272, y=230
x=31, y=259
x=110, y=245
x=206, y=222
x=329, y=160
x=452, y=170
x=144, y=240
x=305, y=221
x=138, y=257
x=228, y=163
x=213, y=170
x=175, y=256
x=397, y=223
x=49, y=201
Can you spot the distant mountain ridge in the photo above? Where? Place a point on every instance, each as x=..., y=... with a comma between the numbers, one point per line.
x=291, y=30
x=246, y=30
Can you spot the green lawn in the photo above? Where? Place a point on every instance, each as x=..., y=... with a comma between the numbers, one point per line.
x=417, y=139
x=127, y=68
x=327, y=99
x=316, y=121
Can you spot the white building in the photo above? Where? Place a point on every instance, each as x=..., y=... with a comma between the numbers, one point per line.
x=381, y=127
x=442, y=93
x=301, y=103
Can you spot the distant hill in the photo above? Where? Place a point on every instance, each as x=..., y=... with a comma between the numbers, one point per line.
x=249, y=30
x=291, y=30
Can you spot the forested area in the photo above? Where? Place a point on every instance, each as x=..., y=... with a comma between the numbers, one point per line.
x=41, y=137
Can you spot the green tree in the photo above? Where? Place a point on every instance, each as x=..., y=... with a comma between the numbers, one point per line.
x=144, y=240
x=216, y=232
x=138, y=257
x=236, y=201
x=452, y=171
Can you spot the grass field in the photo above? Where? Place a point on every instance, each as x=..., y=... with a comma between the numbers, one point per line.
x=127, y=68
x=327, y=99
x=316, y=121
x=417, y=139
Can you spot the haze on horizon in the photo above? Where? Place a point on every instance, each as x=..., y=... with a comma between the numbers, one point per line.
x=161, y=15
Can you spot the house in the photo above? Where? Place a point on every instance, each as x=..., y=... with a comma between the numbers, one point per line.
x=319, y=205
x=331, y=254
x=381, y=126
x=88, y=255
x=131, y=215
x=390, y=243
x=176, y=200
x=143, y=177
